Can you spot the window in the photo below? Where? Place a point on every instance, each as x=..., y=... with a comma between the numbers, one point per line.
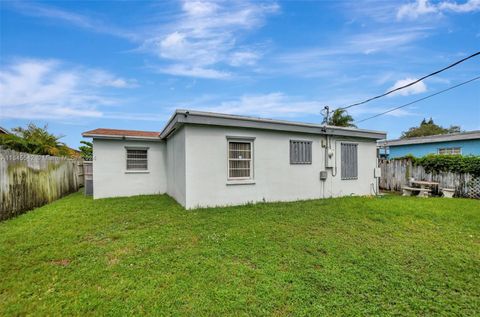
x=137, y=159
x=300, y=152
x=450, y=150
x=349, y=158
x=240, y=159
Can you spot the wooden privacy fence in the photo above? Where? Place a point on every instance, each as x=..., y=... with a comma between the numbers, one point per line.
x=397, y=173
x=28, y=181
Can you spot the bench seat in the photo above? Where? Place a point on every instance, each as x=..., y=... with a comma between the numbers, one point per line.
x=448, y=192
x=422, y=192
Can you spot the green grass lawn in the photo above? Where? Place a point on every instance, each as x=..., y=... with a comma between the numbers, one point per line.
x=146, y=255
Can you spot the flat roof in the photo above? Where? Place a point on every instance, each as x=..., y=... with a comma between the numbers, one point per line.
x=182, y=117
x=469, y=135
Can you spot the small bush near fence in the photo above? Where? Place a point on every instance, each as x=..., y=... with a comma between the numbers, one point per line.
x=434, y=163
x=28, y=181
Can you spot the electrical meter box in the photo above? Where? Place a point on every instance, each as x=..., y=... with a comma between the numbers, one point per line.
x=330, y=159
x=323, y=175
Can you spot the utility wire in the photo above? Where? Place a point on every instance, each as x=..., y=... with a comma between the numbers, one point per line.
x=418, y=100
x=412, y=83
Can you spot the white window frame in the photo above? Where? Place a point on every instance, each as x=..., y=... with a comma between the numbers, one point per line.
x=133, y=170
x=234, y=139
x=450, y=150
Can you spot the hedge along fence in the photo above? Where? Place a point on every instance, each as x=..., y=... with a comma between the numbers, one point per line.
x=28, y=181
x=450, y=172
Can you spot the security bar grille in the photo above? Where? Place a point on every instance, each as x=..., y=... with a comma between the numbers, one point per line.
x=239, y=160
x=137, y=159
x=300, y=152
x=349, y=158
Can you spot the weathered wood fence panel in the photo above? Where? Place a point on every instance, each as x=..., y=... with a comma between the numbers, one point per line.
x=28, y=181
x=397, y=173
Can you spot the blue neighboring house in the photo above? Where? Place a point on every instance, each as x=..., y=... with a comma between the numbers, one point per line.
x=464, y=143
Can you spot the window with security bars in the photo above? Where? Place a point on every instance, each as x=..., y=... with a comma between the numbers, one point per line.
x=300, y=152
x=137, y=159
x=239, y=159
x=450, y=150
x=349, y=157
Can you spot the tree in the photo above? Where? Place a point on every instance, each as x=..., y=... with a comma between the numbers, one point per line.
x=86, y=150
x=36, y=140
x=428, y=128
x=341, y=118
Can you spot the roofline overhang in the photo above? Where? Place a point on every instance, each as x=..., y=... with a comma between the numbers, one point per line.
x=181, y=117
x=470, y=135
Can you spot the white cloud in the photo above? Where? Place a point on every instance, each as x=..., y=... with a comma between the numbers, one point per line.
x=244, y=58
x=418, y=88
x=469, y=6
x=281, y=105
x=193, y=71
x=384, y=40
x=79, y=20
x=347, y=54
x=364, y=110
x=201, y=41
x=274, y=104
x=102, y=78
x=206, y=35
x=424, y=7
x=199, y=8
x=31, y=89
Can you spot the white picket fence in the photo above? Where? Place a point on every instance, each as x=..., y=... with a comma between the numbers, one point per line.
x=397, y=173
x=28, y=181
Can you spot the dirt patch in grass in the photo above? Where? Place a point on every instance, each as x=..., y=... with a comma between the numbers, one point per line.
x=61, y=262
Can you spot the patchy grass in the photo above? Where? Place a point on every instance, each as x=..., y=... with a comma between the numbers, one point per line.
x=146, y=255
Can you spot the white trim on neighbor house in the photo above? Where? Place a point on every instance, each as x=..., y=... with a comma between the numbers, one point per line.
x=449, y=150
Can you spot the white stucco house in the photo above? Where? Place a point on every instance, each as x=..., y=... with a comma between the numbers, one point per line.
x=205, y=159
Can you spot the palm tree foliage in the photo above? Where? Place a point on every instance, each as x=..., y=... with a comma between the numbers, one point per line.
x=86, y=150
x=341, y=118
x=35, y=140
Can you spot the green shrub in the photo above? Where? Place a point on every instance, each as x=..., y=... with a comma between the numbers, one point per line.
x=447, y=163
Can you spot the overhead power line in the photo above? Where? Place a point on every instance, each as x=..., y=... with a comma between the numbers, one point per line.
x=418, y=100
x=412, y=83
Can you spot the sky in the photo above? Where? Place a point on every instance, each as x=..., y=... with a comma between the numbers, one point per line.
x=76, y=66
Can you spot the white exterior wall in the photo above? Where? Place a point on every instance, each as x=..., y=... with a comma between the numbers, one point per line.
x=275, y=179
x=176, y=166
x=110, y=177
x=192, y=167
